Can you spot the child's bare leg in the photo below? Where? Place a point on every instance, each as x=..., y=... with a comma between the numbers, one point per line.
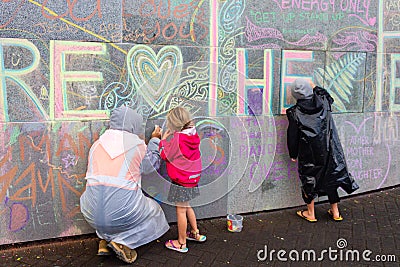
x=195, y=233
x=182, y=221
x=192, y=218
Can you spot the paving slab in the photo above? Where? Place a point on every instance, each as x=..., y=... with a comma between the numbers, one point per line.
x=371, y=225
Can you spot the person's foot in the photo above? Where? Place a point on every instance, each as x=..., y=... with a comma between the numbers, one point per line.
x=306, y=216
x=335, y=215
x=195, y=236
x=176, y=245
x=103, y=250
x=334, y=212
x=123, y=252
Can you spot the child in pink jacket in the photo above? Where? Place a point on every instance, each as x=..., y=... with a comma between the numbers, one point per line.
x=183, y=160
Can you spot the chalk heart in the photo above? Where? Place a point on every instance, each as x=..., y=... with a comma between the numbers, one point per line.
x=372, y=21
x=19, y=217
x=155, y=76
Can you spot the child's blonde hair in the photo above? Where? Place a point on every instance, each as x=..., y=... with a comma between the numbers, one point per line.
x=179, y=119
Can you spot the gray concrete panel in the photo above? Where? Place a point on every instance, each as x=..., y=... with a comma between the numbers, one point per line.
x=314, y=25
x=90, y=20
x=166, y=22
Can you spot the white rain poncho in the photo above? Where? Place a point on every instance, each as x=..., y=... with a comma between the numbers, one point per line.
x=113, y=202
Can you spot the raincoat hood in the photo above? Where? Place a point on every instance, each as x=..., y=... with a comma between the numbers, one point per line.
x=301, y=89
x=116, y=142
x=190, y=140
x=125, y=127
x=126, y=119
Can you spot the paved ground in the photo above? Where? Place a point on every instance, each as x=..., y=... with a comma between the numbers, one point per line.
x=371, y=229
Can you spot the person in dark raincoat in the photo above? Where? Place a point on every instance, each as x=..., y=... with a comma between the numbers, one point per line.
x=313, y=140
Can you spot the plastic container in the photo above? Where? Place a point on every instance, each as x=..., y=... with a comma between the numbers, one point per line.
x=234, y=222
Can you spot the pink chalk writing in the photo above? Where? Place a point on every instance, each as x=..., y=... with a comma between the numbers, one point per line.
x=254, y=33
x=355, y=40
x=358, y=9
x=307, y=5
x=308, y=39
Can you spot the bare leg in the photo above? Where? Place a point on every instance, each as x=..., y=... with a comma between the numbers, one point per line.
x=192, y=218
x=335, y=210
x=194, y=231
x=182, y=221
x=310, y=213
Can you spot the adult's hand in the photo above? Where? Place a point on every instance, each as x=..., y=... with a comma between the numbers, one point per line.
x=294, y=160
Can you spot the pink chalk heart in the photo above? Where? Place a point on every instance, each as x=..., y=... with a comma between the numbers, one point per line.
x=19, y=217
x=155, y=76
x=372, y=21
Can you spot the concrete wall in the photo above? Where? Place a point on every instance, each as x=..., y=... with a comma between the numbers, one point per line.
x=65, y=64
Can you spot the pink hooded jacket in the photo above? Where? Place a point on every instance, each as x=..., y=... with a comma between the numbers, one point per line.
x=183, y=158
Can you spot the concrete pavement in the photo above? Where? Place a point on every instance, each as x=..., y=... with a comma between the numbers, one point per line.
x=369, y=235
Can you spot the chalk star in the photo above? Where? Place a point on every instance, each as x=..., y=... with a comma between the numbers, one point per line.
x=70, y=160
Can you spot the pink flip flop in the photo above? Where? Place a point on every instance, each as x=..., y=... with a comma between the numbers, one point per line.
x=170, y=245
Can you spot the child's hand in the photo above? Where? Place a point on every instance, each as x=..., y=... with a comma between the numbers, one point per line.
x=294, y=160
x=157, y=132
x=167, y=133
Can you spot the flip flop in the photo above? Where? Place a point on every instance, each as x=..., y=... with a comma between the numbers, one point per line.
x=337, y=219
x=170, y=245
x=300, y=213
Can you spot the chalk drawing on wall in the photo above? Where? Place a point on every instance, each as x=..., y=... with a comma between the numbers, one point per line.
x=394, y=95
x=230, y=15
x=114, y=95
x=354, y=39
x=223, y=64
x=339, y=77
x=19, y=216
x=227, y=71
x=237, y=92
x=157, y=80
x=19, y=63
x=165, y=22
x=360, y=151
x=215, y=146
x=63, y=19
x=295, y=24
x=42, y=175
x=295, y=64
x=386, y=129
x=154, y=74
x=260, y=37
x=193, y=88
x=262, y=155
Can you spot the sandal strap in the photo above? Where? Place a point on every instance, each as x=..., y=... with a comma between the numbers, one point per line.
x=181, y=244
x=196, y=234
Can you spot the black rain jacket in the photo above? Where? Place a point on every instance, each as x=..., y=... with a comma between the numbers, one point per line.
x=312, y=138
